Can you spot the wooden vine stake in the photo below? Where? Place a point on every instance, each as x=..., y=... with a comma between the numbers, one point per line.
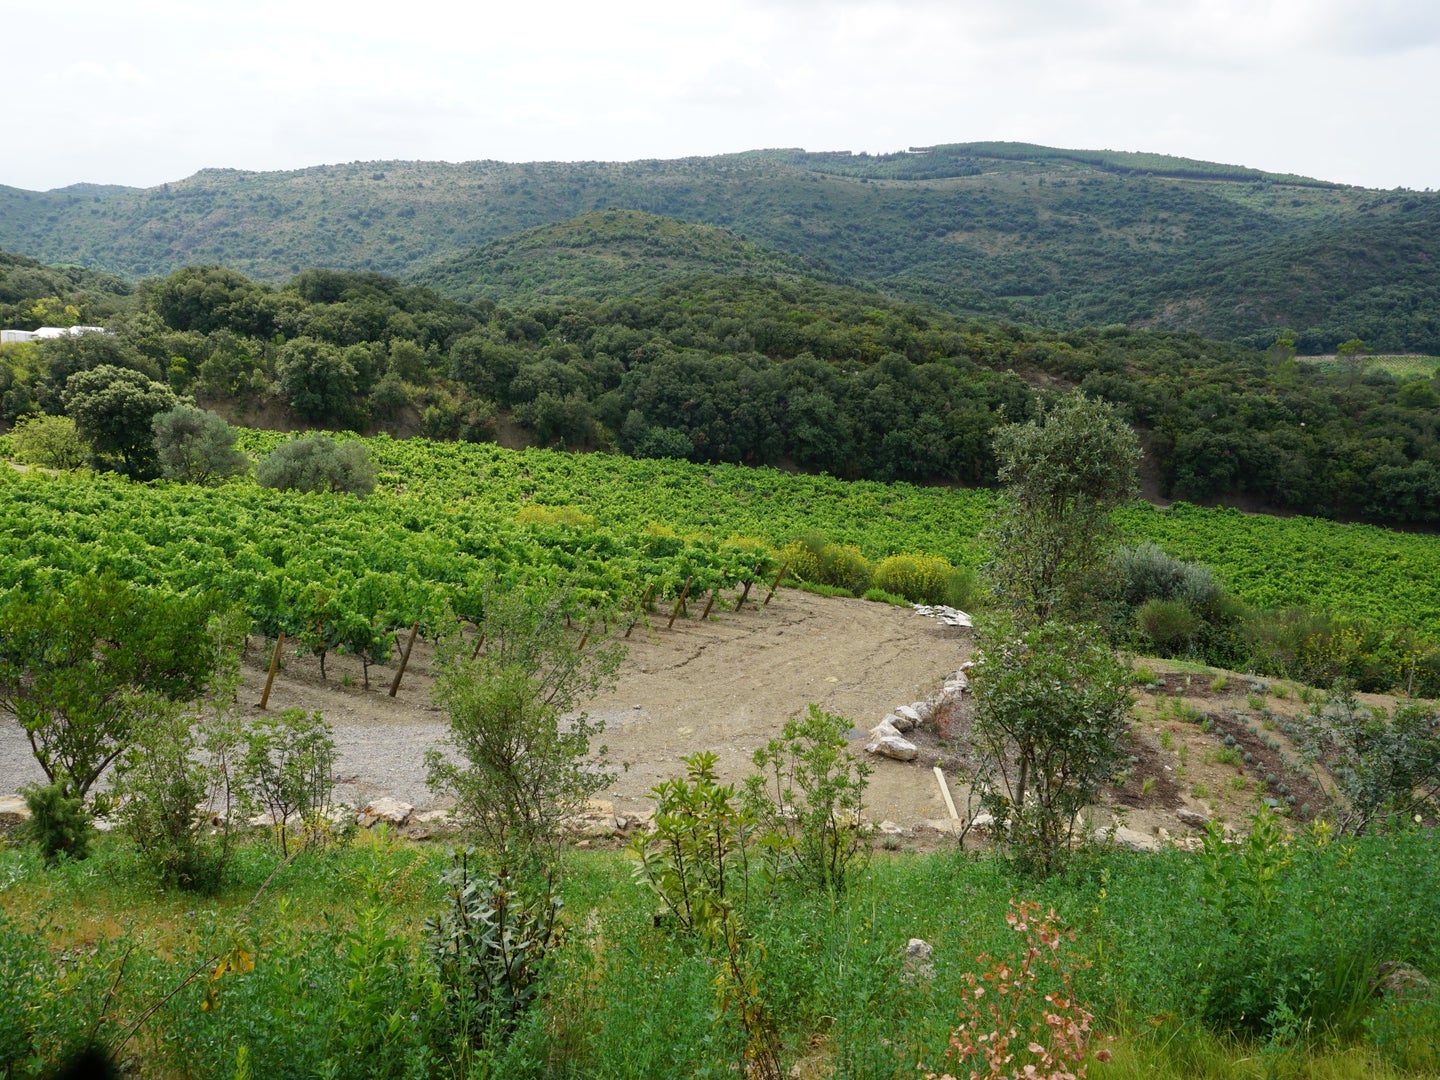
x=404, y=659
x=709, y=604
x=949, y=802
x=479, y=644
x=776, y=584
x=274, y=666
x=679, y=603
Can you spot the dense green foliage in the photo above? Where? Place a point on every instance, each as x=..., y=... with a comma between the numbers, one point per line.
x=1052, y=709
x=337, y=574
x=84, y=660
x=195, y=446
x=317, y=463
x=1038, y=234
x=34, y=295
x=602, y=255
x=1062, y=475
x=330, y=970
x=520, y=757
x=759, y=370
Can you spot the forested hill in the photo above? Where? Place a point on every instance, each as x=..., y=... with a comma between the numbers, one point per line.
x=603, y=255
x=758, y=368
x=1060, y=238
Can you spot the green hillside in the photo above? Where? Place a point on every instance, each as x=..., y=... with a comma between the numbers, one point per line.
x=33, y=294
x=750, y=362
x=1063, y=238
x=606, y=253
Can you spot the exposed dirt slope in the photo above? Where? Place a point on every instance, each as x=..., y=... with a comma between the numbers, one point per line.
x=726, y=685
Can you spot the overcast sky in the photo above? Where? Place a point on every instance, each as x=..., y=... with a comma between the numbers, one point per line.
x=144, y=91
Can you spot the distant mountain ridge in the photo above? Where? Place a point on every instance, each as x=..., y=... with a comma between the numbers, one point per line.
x=1046, y=236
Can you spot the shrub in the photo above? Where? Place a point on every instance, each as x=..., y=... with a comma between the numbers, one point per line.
x=490, y=946
x=922, y=579
x=196, y=446
x=844, y=566
x=1170, y=625
x=1051, y=707
x=807, y=796
x=318, y=463
x=287, y=770
x=80, y=664
x=172, y=778
x=698, y=862
x=1146, y=572
x=58, y=824
x=524, y=753
x=49, y=441
x=814, y=560
x=697, y=859
x=1386, y=768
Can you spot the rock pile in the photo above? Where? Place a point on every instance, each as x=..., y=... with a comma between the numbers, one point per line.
x=887, y=738
x=949, y=616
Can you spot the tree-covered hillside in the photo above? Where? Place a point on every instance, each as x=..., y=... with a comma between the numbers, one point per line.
x=601, y=255
x=775, y=369
x=1063, y=238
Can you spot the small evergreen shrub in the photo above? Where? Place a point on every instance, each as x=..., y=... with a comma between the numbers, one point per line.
x=1170, y=625
x=58, y=822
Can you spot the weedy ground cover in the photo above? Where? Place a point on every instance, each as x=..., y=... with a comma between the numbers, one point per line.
x=1259, y=959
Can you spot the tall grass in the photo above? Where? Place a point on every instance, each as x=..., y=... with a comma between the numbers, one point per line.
x=340, y=984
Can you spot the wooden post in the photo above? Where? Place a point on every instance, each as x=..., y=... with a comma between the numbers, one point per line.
x=274, y=665
x=709, y=604
x=583, y=638
x=479, y=644
x=776, y=585
x=949, y=802
x=679, y=603
x=404, y=660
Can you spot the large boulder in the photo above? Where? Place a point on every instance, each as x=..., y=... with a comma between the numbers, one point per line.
x=895, y=746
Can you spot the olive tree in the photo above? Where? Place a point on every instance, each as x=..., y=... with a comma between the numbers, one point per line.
x=196, y=446
x=1061, y=476
x=318, y=463
x=1382, y=769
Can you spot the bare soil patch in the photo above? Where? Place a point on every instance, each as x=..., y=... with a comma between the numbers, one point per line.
x=728, y=685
